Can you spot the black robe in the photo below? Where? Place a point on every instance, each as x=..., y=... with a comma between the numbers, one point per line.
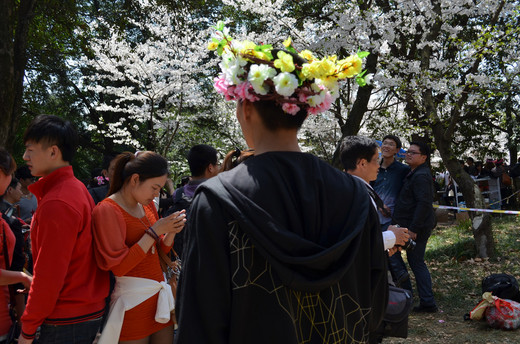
x=281, y=249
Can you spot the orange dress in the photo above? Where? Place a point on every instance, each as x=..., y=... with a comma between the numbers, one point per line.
x=116, y=234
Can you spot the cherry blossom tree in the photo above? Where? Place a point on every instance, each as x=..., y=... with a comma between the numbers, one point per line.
x=429, y=65
x=150, y=79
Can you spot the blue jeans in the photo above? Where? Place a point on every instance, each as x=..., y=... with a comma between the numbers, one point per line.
x=80, y=333
x=420, y=271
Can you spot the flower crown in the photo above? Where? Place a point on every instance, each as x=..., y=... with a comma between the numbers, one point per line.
x=295, y=80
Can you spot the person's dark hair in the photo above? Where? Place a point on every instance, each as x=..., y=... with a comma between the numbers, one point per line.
x=23, y=172
x=354, y=148
x=470, y=159
x=7, y=163
x=394, y=138
x=53, y=130
x=235, y=157
x=96, y=171
x=423, y=148
x=14, y=182
x=107, y=158
x=199, y=157
x=147, y=165
x=273, y=117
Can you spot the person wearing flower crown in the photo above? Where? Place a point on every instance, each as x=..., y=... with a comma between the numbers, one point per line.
x=283, y=248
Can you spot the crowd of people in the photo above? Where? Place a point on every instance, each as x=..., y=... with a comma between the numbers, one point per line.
x=276, y=245
x=494, y=177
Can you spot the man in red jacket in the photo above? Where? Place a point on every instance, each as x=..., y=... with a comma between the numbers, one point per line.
x=67, y=296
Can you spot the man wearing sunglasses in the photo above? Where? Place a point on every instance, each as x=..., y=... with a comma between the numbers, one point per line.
x=414, y=210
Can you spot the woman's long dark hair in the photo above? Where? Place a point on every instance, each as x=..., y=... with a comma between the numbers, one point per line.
x=147, y=165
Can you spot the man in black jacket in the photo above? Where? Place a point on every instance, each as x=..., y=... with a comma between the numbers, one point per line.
x=283, y=248
x=414, y=210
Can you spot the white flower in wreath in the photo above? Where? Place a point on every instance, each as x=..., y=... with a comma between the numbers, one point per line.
x=258, y=74
x=285, y=84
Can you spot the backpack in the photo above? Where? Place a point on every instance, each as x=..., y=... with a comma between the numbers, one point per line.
x=503, y=286
x=181, y=201
x=395, y=321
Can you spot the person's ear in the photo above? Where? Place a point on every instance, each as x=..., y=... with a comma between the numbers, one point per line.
x=134, y=179
x=247, y=109
x=54, y=151
x=361, y=162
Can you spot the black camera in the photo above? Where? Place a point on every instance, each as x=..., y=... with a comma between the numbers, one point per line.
x=409, y=245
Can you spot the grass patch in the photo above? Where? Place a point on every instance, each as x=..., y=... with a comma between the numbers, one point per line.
x=457, y=276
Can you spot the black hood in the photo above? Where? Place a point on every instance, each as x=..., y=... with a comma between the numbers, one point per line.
x=307, y=225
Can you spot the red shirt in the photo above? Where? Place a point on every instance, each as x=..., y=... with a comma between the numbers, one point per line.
x=68, y=287
x=7, y=235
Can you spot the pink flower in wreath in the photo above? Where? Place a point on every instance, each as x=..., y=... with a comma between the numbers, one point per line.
x=230, y=93
x=221, y=84
x=323, y=106
x=302, y=97
x=290, y=108
x=245, y=91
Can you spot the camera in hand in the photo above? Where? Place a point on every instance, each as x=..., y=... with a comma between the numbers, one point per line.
x=409, y=245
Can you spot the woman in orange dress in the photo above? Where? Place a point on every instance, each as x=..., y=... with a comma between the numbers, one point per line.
x=128, y=233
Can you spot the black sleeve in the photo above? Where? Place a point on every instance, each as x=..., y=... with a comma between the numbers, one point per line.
x=204, y=292
x=18, y=255
x=423, y=195
x=378, y=273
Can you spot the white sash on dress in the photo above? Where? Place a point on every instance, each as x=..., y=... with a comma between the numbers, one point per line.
x=130, y=292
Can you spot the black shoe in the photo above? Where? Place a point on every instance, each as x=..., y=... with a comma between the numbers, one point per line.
x=425, y=309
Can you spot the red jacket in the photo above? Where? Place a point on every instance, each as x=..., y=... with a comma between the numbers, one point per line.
x=7, y=235
x=68, y=287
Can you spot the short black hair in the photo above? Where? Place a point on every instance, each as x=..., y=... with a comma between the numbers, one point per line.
x=274, y=118
x=53, y=130
x=423, y=148
x=394, y=138
x=23, y=172
x=199, y=157
x=354, y=148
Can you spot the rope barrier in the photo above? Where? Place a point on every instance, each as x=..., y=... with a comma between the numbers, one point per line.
x=508, y=197
x=512, y=212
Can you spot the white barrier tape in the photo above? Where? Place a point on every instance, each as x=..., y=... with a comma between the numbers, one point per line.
x=512, y=212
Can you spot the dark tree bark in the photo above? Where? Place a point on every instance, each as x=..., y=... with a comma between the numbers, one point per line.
x=481, y=222
x=14, y=29
x=352, y=124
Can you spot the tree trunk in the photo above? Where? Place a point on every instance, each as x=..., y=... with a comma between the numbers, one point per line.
x=6, y=69
x=353, y=123
x=13, y=60
x=481, y=222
